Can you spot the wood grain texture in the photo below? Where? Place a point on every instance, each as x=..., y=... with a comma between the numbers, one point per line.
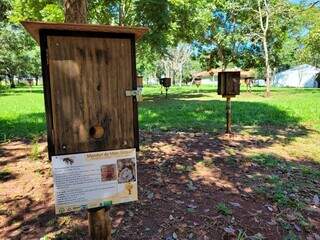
x=99, y=224
x=34, y=27
x=228, y=115
x=88, y=80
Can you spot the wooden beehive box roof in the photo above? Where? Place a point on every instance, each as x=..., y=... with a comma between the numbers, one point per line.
x=34, y=27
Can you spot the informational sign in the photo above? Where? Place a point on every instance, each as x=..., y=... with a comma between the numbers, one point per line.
x=95, y=179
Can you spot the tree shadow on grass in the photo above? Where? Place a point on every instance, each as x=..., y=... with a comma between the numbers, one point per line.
x=29, y=90
x=25, y=126
x=192, y=92
x=175, y=96
x=189, y=92
x=184, y=115
x=20, y=91
x=209, y=116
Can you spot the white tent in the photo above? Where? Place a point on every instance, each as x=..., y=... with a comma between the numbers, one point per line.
x=304, y=76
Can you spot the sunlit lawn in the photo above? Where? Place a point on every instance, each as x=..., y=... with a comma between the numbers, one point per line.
x=22, y=111
x=186, y=109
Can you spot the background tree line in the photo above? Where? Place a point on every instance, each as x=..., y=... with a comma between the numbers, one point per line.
x=185, y=35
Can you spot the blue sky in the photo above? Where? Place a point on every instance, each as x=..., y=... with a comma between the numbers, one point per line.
x=299, y=1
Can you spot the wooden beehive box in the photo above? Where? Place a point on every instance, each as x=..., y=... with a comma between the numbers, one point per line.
x=166, y=82
x=139, y=81
x=229, y=84
x=198, y=81
x=87, y=70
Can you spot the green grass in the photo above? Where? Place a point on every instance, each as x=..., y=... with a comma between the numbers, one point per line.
x=186, y=109
x=287, y=182
x=22, y=112
x=223, y=209
x=35, y=153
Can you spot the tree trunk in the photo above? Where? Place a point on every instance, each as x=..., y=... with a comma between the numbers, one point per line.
x=173, y=77
x=121, y=14
x=11, y=80
x=267, y=64
x=99, y=221
x=100, y=224
x=264, y=17
x=222, y=59
x=228, y=116
x=37, y=80
x=75, y=11
x=180, y=81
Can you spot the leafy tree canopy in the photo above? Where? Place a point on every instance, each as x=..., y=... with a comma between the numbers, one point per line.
x=222, y=33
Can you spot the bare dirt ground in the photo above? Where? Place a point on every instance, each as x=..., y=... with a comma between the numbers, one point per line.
x=191, y=186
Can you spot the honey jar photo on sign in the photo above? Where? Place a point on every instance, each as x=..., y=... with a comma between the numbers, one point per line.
x=126, y=170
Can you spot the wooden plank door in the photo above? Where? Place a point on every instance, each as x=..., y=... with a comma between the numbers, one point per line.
x=232, y=83
x=88, y=80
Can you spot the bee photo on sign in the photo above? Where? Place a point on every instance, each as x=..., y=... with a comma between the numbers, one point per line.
x=126, y=170
x=68, y=161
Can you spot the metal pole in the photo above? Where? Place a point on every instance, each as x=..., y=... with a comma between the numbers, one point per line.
x=228, y=115
x=99, y=224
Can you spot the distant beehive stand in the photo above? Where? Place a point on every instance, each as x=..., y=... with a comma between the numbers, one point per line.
x=197, y=81
x=166, y=83
x=228, y=87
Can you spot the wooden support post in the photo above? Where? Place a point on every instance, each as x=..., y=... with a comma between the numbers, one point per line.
x=166, y=92
x=228, y=115
x=99, y=223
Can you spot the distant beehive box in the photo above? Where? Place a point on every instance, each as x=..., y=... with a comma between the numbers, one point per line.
x=197, y=81
x=229, y=84
x=139, y=81
x=166, y=82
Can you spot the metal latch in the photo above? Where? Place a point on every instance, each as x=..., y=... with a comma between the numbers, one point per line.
x=135, y=93
x=131, y=93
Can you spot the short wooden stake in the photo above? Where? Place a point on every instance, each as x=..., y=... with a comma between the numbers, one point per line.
x=228, y=115
x=99, y=224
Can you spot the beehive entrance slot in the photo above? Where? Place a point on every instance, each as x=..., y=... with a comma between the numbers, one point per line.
x=96, y=132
